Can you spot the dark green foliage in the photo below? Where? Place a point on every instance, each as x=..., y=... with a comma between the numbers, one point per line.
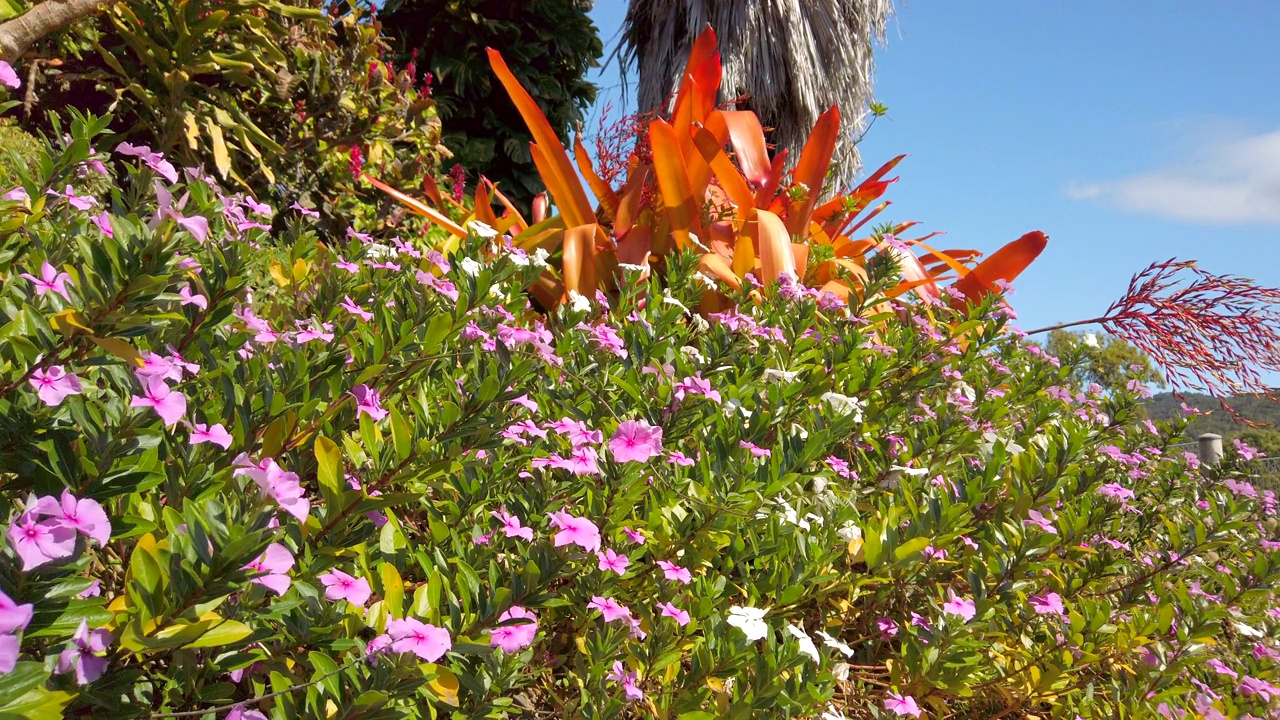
x=549, y=44
x=17, y=149
x=1105, y=359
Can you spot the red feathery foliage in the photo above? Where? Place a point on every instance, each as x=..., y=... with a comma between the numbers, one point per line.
x=1214, y=333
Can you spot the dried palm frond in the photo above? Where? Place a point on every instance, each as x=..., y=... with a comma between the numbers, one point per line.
x=793, y=59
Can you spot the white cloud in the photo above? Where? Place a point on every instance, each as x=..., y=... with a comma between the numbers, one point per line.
x=1233, y=180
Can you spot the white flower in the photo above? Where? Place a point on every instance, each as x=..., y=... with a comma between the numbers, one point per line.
x=1248, y=630
x=470, y=267
x=707, y=280
x=377, y=252
x=964, y=389
x=849, y=532
x=750, y=621
x=806, y=643
x=692, y=355
x=841, y=673
x=482, y=230
x=834, y=643
x=732, y=406
x=780, y=376
x=698, y=242
x=632, y=268
x=519, y=259
x=578, y=303
x=699, y=325
x=844, y=405
x=540, y=257
x=1089, y=339
x=668, y=300
x=832, y=713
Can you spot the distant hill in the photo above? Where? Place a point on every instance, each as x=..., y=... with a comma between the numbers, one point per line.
x=1258, y=409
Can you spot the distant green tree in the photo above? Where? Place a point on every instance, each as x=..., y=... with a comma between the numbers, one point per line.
x=549, y=44
x=1104, y=359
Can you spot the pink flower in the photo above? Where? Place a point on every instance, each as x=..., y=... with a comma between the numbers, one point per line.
x=84, y=516
x=634, y=536
x=50, y=281
x=1039, y=520
x=1050, y=603
x=369, y=402
x=284, y=487
x=341, y=586
x=354, y=309
x=583, y=461
x=167, y=403
x=575, y=530
x=153, y=160
x=350, y=267
x=1217, y=666
x=10, y=648
x=619, y=674
x=43, y=542
x=86, y=657
x=674, y=572
x=902, y=705
x=610, y=560
x=190, y=298
x=636, y=441
x=514, y=638
x=275, y=561
x=240, y=713
x=54, y=385
x=577, y=432
x=679, y=459
x=610, y=608
x=963, y=608
x=8, y=76
x=217, y=435
x=888, y=628
x=669, y=610
x=1250, y=685
x=1115, y=491
x=427, y=641
x=13, y=617
x=696, y=385
x=756, y=450
x=511, y=526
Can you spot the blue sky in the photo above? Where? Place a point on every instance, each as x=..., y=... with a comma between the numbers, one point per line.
x=1128, y=131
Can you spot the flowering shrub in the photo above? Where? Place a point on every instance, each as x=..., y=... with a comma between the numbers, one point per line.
x=278, y=475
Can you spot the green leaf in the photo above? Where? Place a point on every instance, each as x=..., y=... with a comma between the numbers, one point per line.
x=392, y=589
x=329, y=472
x=326, y=673
x=910, y=547
x=401, y=435
x=227, y=632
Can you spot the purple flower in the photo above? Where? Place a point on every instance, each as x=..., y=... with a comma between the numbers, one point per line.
x=888, y=628
x=1039, y=520
x=84, y=516
x=619, y=674
x=341, y=586
x=190, y=298
x=10, y=648
x=1050, y=603
x=168, y=404
x=13, y=617
x=86, y=657
x=369, y=402
x=354, y=309
x=422, y=639
x=1115, y=491
x=50, y=280
x=284, y=487
x=514, y=638
x=902, y=705
x=634, y=536
x=54, y=385
x=612, y=561
x=636, y=441
x=674, y=572
x=1217, y=666
x=669, y=610
x=40, y=542
x=153, y=160
x=1250, y=685
x=575, y=530
x=217, y=435
x=511, y=526
x=963, y=608
x=275, y=561
x=8, y=76
x=239, y=713
x=610, y=608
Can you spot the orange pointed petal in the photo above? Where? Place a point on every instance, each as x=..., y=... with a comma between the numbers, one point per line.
x=746, y=135
x=811, y=170
x=418, y=207
x=776, y=256
x=556, y=170
x=605, y=194
x=673, y=182
x=578, y=262
x=1004, y=264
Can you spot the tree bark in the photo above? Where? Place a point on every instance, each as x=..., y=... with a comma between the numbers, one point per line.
x=18, y=34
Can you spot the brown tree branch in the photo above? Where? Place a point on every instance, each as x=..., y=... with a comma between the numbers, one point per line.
x=18, y=34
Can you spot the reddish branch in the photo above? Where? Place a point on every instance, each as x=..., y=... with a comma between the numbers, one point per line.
x=1218, y=334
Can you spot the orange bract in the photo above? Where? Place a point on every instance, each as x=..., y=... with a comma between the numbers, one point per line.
x=715, y=188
